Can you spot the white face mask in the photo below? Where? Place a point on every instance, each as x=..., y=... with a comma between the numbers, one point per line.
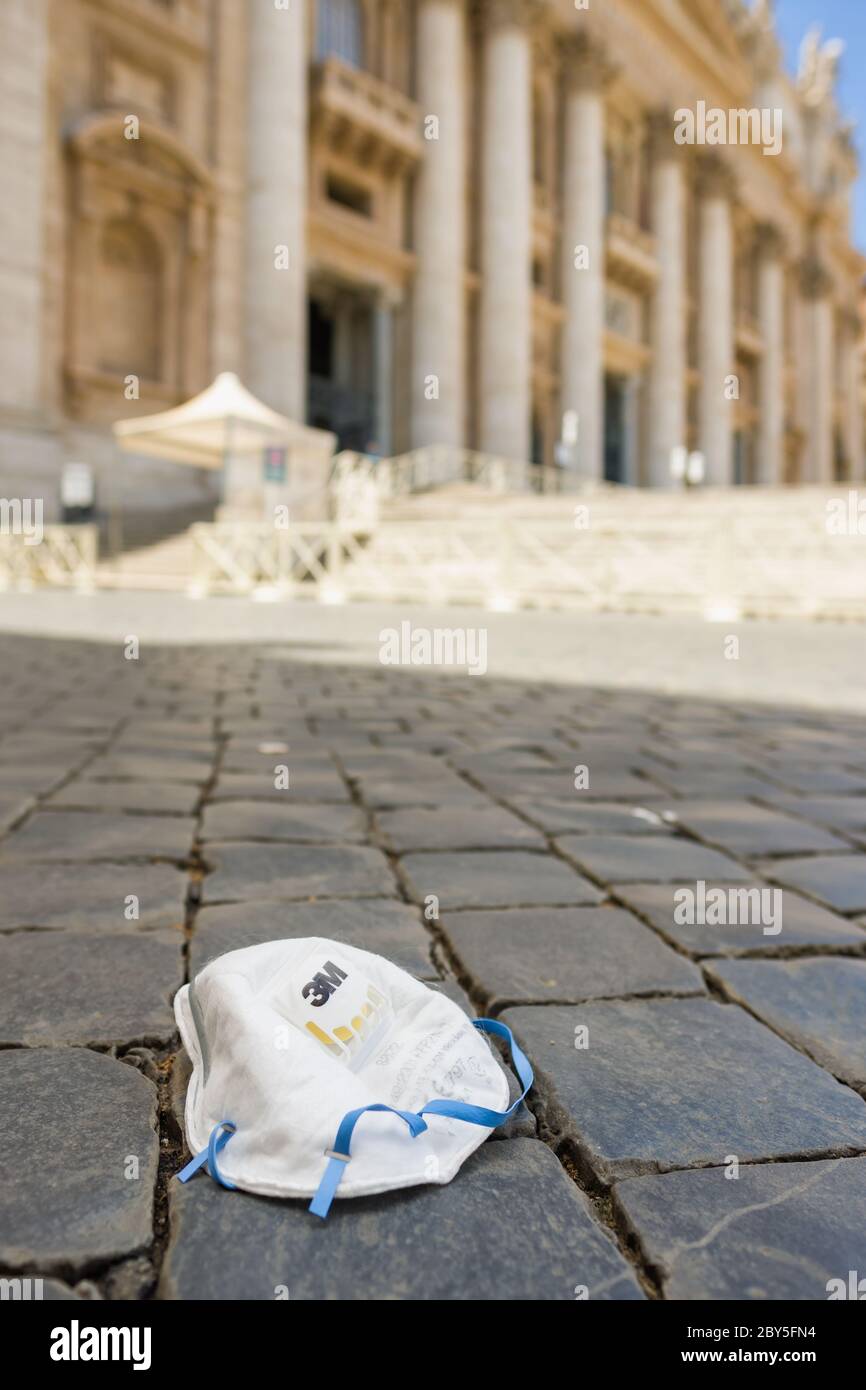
x=292, y=1041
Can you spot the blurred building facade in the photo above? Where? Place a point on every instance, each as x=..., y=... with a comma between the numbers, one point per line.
x=427, y=221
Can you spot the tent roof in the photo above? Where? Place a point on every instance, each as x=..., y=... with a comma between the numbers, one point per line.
x=225, y=415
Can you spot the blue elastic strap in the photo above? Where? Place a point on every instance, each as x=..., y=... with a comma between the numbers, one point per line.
x=339, y=1156
x=219, y=1137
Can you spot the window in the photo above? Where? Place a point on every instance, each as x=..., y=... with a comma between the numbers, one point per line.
x=340, y=31
x=129, y=292
x=349, y=195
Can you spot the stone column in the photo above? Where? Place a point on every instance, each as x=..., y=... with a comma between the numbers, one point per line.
x=276, y=275
x=383, y=338
x=23, y=145
x=771, y=372
x=504, y=377
x=439, y=302
x=228, y=152
x=666, y=394
x=716, y=357
x=583, y=238
x=852, y=367
x=816, y=286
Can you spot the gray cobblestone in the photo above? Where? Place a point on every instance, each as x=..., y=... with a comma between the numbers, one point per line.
x=653, y=1088
x=565, y=954
x=76, y=835
x=91, y=897
x=495, y=878
x=776, y=1232
x=307, y=822
x=804, y=923
x=65, y=1197
x=819, y=1004
x=249, y=871
x=620, y=858
x=70, y=987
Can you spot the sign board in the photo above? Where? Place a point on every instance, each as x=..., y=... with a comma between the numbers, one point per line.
x=275, y=465
x=76, y=485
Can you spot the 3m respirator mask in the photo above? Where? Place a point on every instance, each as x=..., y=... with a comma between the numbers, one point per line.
x=320, y=1070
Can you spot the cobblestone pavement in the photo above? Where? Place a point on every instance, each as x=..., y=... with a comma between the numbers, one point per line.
x=698, y=1127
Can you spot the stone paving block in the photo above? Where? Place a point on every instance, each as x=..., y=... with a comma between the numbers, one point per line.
x=592, y=817
x=838, y=880
x=388, y=764
x=157, y=798
x=654, y=858
x=483, y=827
x=65, y=1201
x=819, y=1005
x=308, y=822
x=565, y=955
x=243, y=871
x=817, y=778
x=779, y=1231
x=320, y=784
x=83, y=989
x=495, y=878
x=149, y=767
x=679, y=1083
x=91, y=896
x=511, y=1225
x=558, y=784
x=439, y=791
x=75, y=835
x=721, y=786
x=260, y=759
x=741, y=828
x=27, y=781
x=387, y=927
x=845, y=813
x=804, y=923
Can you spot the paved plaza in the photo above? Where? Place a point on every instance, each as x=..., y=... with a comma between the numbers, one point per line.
x=566, y=852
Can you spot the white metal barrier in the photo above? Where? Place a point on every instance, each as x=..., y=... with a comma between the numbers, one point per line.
x=746, y=565
x=65, y=557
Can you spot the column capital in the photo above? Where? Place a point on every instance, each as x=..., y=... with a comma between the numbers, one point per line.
x=660, y=130
x=496, y=14
x=851, y=321
x=770, y=241
x=715, y=177
x=816, y=282
x=586, y=62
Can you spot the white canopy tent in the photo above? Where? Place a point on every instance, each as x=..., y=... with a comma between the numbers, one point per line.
x=224, y=419
x=226, y=428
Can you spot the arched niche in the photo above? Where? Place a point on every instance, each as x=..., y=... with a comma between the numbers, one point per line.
x=138, y=272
